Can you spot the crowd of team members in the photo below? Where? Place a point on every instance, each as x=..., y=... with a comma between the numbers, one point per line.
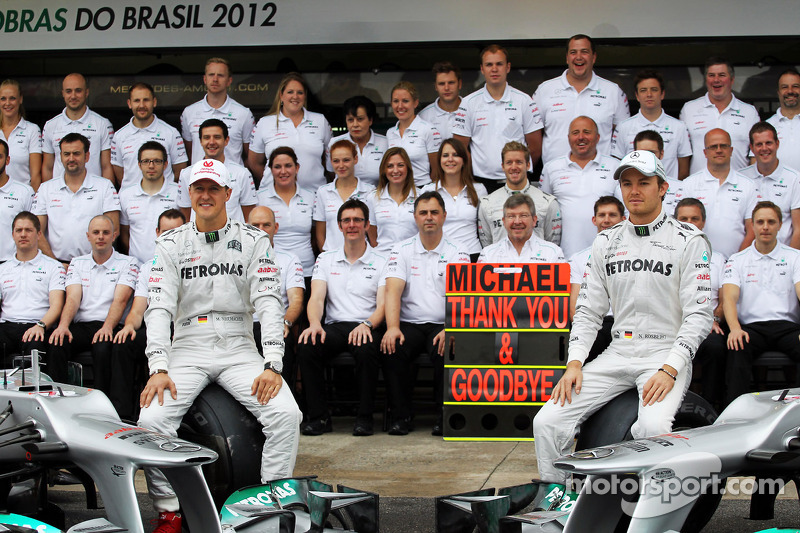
x=364, y=224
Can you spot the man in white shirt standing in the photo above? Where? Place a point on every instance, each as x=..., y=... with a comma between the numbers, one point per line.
x=729, y=196
x=144, y=126
x=760, y=291
x=77, y=118
x=677, y=150
x=787, y=119
x=217, y=104
x=493, y=115
x=578, y=91
x=719, y=108
x=442, y=112
x=775, y=181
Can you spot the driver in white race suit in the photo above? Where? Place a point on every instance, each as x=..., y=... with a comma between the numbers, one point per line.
x=654, y=270
x=208, y=278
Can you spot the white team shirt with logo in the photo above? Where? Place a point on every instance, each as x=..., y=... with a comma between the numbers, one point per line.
x=461, y=224
x=394, y=222
x=25, y=288
x=140, y=211
x=14, y=197
x=369, y=159
x=237, y=117
x=789, y=136
x=294, y=231
x=326, y=207
x=442, y=120
x=672, y=131
x=98, y=283
x=94, y=127
x=127, y=141
x=25, y=139
x=420, y=139
x=782, y=187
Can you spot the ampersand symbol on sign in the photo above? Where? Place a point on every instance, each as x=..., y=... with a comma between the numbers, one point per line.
x=506, y=351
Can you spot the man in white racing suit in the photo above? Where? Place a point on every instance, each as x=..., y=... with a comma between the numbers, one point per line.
x=208, y=278
x=654, y=270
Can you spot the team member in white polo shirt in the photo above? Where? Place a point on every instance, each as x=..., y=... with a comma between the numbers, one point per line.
x=289, y=123
x=775, y=181
x=677, y=151
x=520, y=244
x=359, y=113
x=787, y=118
x=65, y=205
x=419, y=138
x=141, y=204
x=15, y=197
x=651, y=141
x=442, y=112
x=144, y=127
x=293, y=207
x=24, y=138
x=578, y=91
x=760, y=291
x=31, y=290
x=516, y=159
x=577, y=180
x=719, y=108
x=214, y=137
x=351, y=278
x=346, y=185
x=218, y=104
x=415, y=308
x=494, y=115
x=99, y=286
x=130, y=342
x=391, y=207
x=729, y=196
x=77, y=118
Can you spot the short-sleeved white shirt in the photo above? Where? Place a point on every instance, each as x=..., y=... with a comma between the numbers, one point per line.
x=140, y=212
x=727, y=207
x=25, y=139
x=559, y=103
x=25, y=287
x=491, y=123
x=782, y=187
x=535, y=250
x=368, y=167
x=91, y=125
x=326, y=206
x=717, y=266
x=352, y=289
x=672, y=131
x=442, y=120
x=243, y=190
x=98, y=283
x=577, y=189
x=309, y=140
x=237, y=117
x=420, y=139
x=294, y=231
x=461, y=224
x=393, y=222
x=789, y=137
x=142, y=282
x=673, y=196
x=766, y=283
x=425, y=274
x=700, y=115
x=14, y=197
x=127, y=141
x=69, y=214
x=291, y=274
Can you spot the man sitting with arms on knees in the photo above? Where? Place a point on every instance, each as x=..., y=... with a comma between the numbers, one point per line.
x=208, y=278
x=651, y=267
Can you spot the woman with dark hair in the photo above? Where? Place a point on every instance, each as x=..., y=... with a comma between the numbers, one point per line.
x=461, y=196
x=391, y=207
x=289, y=123
x=24, y=138
x=420, y=139
x=359, y=113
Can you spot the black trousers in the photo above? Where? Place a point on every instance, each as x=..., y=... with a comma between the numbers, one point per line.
x=398, y=367
x=712, y=358
x=125, y=380
x=312, y=360
x=82, y=334
x=778, y=335
x=11, y=341
x=490, y=184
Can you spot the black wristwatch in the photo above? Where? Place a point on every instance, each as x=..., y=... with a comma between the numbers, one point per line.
x=275, y=366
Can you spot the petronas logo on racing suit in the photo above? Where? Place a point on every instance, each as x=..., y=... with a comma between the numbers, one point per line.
x=214, y=269
x=637, y=265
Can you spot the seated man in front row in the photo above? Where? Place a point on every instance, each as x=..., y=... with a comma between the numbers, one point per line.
x=351, y=278
x=208, y=278
x=651, y=268
x=521, y=245
x=760, y=291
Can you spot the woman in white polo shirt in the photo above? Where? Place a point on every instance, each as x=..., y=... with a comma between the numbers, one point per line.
x=289, y=123
x=391, y=206
x=419, y=138
x=24, y=138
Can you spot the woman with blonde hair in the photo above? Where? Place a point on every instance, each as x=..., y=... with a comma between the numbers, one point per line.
x=419, y=138
x=391, y=207
x=24, y=138
x=289, y=123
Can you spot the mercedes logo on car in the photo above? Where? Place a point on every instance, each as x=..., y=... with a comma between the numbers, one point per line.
x=179, y=447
